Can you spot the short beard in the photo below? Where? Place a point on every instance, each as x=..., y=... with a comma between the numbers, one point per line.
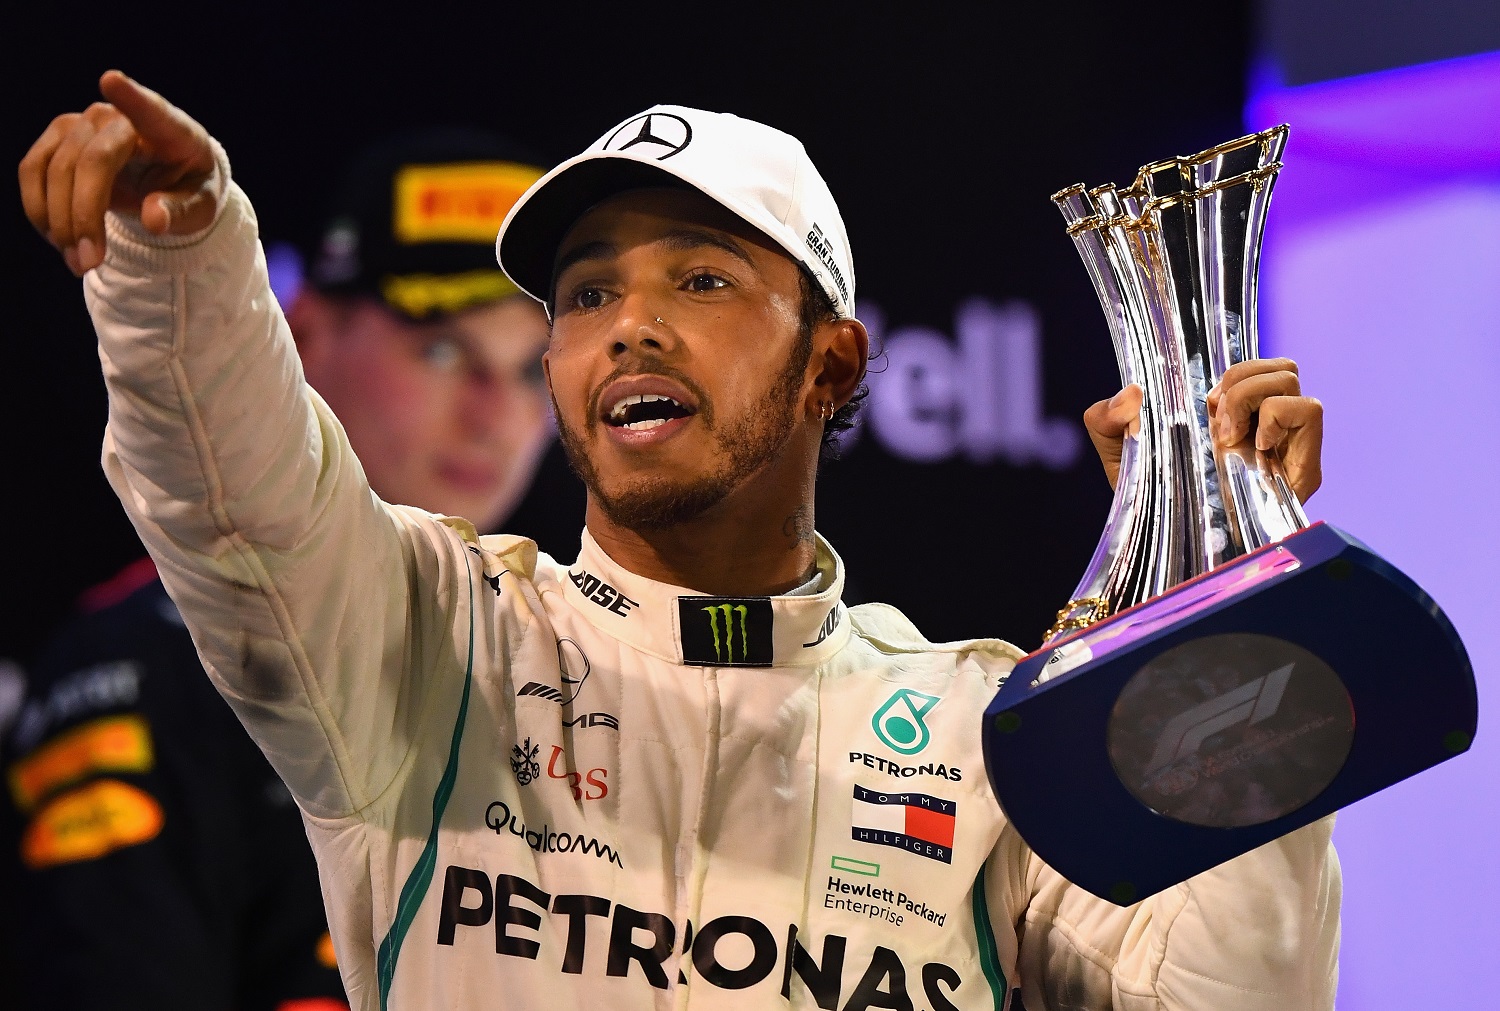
x=653, y=503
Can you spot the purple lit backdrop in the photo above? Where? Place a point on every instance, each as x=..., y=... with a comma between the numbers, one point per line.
x=1382, y=278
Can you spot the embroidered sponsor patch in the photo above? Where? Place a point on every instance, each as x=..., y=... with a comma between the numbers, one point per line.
x=916, y=822
x=726, y=631
x=110, y=745
x=457, y=203
x=89, y=822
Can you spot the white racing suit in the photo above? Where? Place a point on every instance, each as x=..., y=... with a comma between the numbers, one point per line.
x=536, y=785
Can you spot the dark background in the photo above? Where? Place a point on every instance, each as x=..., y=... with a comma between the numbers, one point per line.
x=941, y=133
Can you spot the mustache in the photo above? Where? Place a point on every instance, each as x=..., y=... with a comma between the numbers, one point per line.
x=651, y=367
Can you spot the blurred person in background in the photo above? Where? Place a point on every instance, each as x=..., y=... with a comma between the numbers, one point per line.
x=163, y=863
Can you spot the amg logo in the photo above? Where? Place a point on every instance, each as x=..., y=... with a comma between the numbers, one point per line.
x=1250, y=704
x=572, y=671
x=544, y=691
x=601, y=593
x=593, y=720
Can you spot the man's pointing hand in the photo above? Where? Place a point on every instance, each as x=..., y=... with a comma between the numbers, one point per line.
x=134, y=153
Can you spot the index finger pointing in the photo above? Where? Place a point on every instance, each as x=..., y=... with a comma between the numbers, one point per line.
x=166, y=129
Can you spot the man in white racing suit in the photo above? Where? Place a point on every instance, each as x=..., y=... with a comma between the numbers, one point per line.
x=677, y=772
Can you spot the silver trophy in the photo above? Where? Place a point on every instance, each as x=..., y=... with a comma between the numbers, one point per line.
x=1225, y=672
x=1174, y=260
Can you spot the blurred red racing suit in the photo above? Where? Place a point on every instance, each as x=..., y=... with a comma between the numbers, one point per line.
x=164, y=865
x=534, y=785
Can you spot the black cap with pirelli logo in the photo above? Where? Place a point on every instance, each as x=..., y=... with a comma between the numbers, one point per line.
x=414, y=221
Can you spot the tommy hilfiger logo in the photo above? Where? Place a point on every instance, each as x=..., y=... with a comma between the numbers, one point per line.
x=916, y=822
x=725, y=631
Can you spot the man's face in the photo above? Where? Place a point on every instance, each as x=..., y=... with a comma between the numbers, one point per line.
x=677, y=361
x=448, y=415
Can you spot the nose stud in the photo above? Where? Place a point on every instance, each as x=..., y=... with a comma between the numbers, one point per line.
x=660, y=321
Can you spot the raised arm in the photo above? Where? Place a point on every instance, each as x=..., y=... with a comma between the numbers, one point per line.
x=294, y=579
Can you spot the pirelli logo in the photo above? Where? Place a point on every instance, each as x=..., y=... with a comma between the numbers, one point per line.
x=725, y=631
x=465, y=202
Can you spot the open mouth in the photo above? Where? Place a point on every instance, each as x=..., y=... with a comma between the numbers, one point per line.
x=641, y=412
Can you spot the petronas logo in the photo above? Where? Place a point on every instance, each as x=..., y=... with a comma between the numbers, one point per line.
x=726, y=631
x=727, y=613
x=900, y=723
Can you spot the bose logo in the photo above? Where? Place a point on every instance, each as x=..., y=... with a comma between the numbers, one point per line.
x=601, y=593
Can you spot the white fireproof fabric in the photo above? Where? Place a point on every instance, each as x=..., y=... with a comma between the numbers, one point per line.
x=520, y=795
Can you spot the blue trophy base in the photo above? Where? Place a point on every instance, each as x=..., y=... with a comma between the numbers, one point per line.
x=1225, y=713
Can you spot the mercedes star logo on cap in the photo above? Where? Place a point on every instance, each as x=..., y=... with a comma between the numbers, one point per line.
x=662, y=131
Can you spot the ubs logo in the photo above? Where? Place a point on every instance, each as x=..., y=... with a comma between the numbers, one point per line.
x=523, y=762
x=660, y=134
x=588, y=785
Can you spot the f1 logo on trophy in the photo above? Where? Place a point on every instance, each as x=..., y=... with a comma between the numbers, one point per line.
x=1225, y=673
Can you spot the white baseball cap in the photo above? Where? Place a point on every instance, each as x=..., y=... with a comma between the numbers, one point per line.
x=761, y=174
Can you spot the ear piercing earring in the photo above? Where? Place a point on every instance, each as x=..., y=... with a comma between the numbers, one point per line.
x=825, y=411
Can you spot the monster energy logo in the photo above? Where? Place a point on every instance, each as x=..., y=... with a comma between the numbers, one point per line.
x=725, y=631
x=728, y=612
